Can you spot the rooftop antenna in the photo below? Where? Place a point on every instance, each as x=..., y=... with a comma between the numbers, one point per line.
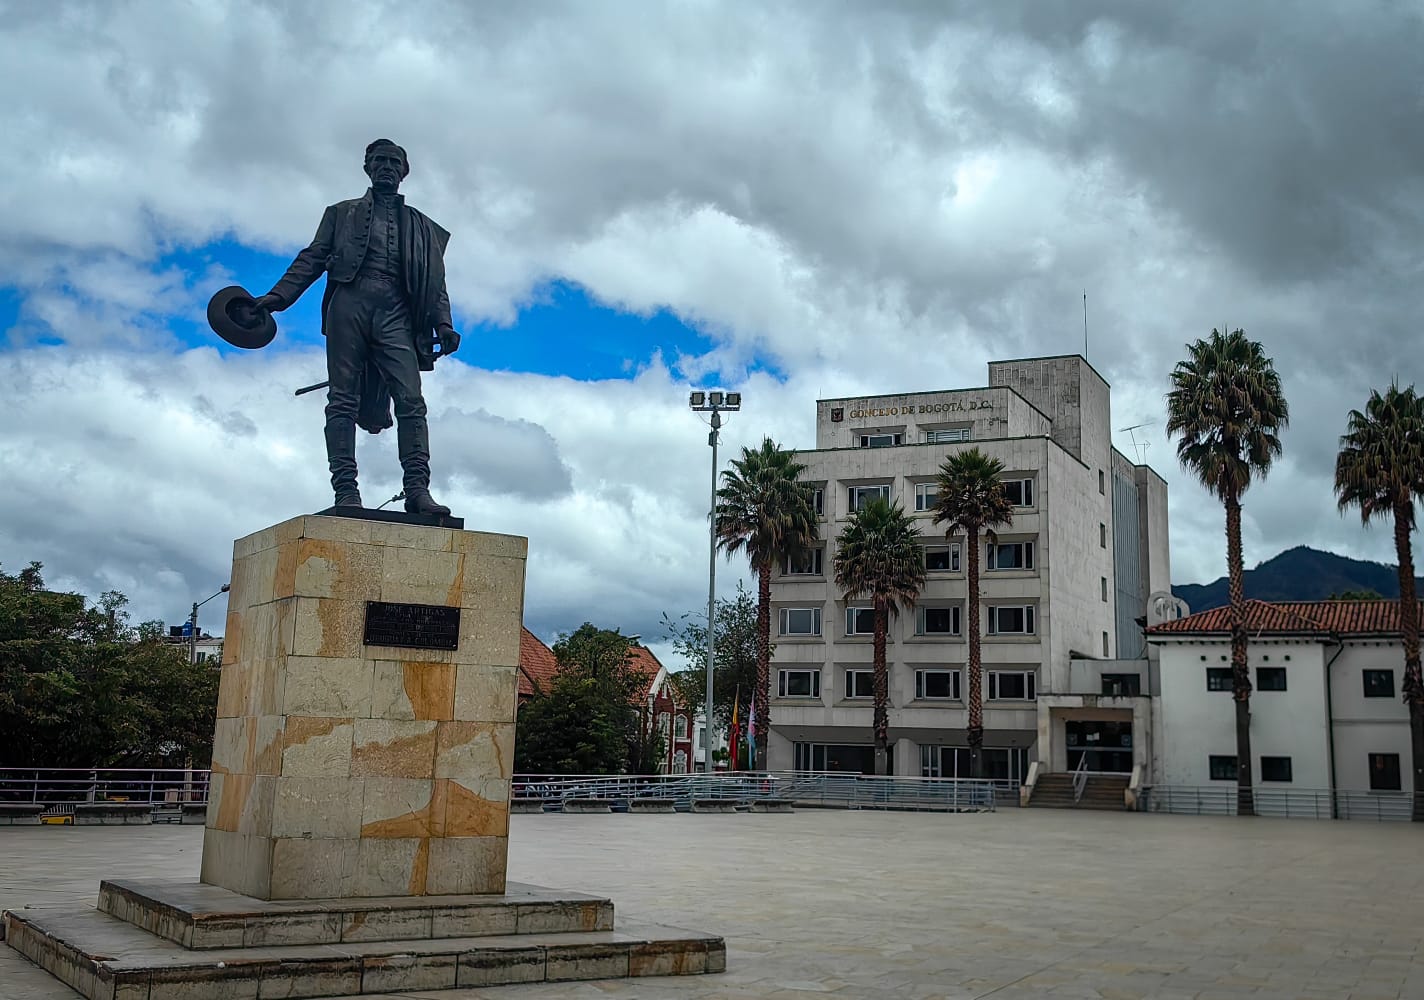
x=1085, y=323
x=1138, y=446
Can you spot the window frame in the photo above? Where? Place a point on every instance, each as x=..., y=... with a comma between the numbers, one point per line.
x=855, y=500
x=679, y=727
x=1030, y=613
x=961, y=434
x=896, y=438
x=956, y=619
x=1217, y=763
x=818, y=562
x=783, y=620
x=921, y=676
x=1027, y=556
x=818, y=500
x=1272, y=672
x=1215, y=674
x=1289, y=771
x=856, y=609
x=814, y=678
x=1135, y=683
x=1025, y=488
x=856, y=672
x=1030, y=685
x=955, y=553
x=1365, y=677
x=923, y=504
x=1398, y=785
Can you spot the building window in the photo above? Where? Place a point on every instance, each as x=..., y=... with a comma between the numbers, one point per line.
x=1223, y=768
x=862, y=495
x=925, y=496
x=665, y=724
x=929, y=761
x=1275, y=769
x=1271, y=679
x=800, y=621
x=1011, y=619
x=1012, y=685
x=937, y=684
x=681, y=727
x=804, y=563
x=798, y=683
x=860, y=683
x=1384, y=772
x=1105, y=645
x=1102, y=535
x=1009, y=555
x=1019, y=492
x=1218, y=678
x=818, y=501
x=942, y=558
x=886, y=440
x=1122, y=685
x=938, y=621
x=947, y=435
x=860, y=621
x=1379, y=683
x=1103, y=587
x=1102, y=483
x=679, y=762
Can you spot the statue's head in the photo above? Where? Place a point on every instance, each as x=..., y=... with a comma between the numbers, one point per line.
x=386, y=165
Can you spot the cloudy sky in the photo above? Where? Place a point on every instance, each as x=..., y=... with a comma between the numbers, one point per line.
x=797, y=201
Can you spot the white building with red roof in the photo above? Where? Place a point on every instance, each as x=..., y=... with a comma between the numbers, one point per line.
x=1326, y=711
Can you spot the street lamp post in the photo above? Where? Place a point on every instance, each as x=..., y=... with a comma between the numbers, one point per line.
x=716, y=403
x=193, y=623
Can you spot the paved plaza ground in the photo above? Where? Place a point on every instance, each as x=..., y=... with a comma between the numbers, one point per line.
x=1012, y=905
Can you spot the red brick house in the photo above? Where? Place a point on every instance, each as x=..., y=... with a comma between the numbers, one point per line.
x=537, y=667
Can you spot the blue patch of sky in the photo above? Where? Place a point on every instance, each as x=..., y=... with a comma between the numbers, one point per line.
x=561, y=330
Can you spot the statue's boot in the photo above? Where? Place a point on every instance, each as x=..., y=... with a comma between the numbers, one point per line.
x=413, y=441
x=341, y=457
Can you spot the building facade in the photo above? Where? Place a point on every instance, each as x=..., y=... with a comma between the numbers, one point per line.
x=1062, y=588
x=1326, y=709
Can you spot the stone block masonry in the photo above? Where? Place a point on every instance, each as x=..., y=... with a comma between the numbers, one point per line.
x=342, y=769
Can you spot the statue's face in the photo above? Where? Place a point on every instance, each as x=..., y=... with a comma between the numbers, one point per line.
x=386, y=168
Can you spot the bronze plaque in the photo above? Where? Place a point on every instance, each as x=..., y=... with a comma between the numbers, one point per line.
x=412, y=626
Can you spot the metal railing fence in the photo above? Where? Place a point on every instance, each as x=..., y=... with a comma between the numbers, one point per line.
x=1292, y=803
x=67, y=786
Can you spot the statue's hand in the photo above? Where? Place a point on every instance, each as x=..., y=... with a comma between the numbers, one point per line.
x=269, y=302
x=449, y=340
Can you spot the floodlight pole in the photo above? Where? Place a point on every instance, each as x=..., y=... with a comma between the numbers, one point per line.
x=714, y=402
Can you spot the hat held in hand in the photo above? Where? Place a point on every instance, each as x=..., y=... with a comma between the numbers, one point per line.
x=236, y=317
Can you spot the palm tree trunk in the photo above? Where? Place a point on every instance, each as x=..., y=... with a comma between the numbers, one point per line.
x=1240, y=673
x=976, y=673
x=882, y=693
x=1409, y=629
x=763, y=670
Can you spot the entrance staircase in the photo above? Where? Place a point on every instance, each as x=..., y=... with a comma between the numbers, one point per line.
x=1103, y=791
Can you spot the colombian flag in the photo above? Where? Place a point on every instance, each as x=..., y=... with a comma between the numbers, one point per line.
x=736, y=733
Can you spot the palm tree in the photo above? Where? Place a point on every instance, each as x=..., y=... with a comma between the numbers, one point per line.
x=1380, y=470
x=971, y=499
x=1227, y=406
x=879, y=555
x=764, y=510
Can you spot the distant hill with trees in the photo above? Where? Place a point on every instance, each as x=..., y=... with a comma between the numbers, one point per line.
x=1301, y=574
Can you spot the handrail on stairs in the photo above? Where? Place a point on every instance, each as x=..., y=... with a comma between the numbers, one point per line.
x=1080, y=778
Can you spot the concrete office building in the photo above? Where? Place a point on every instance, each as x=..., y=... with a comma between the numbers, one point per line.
x=1061, y=591
x=1326, y=711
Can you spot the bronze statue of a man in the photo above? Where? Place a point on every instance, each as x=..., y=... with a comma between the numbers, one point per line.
x=386, y=317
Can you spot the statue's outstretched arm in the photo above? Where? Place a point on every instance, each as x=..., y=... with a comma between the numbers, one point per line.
x=308, y=266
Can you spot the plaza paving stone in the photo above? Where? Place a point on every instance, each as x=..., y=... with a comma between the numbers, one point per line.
x=1014, y=905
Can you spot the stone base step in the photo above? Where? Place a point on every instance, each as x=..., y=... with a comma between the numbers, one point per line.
x=200, y=916
x=105, y=958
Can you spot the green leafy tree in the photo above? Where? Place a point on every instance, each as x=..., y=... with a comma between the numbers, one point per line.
x=81, y=687
x=766, y=511
x=1380, y=471
x=970, y=498
x=734, y=649
x=592, y=720
x=878, y=555
x=1227, y=408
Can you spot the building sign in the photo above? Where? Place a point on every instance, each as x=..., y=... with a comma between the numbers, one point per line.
x=952, y=406
x=837, y=414
x=411, y=626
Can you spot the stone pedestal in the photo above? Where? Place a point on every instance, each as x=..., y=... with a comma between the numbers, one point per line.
x=346, y=769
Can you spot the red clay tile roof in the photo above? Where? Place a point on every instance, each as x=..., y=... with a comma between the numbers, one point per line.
x=536, y=664
x=1318, y=618
x=645, y=663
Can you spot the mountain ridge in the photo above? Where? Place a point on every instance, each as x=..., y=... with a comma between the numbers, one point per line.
x=1298, y=574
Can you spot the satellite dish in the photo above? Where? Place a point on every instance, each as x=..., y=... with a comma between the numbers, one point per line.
x=1164, y=606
